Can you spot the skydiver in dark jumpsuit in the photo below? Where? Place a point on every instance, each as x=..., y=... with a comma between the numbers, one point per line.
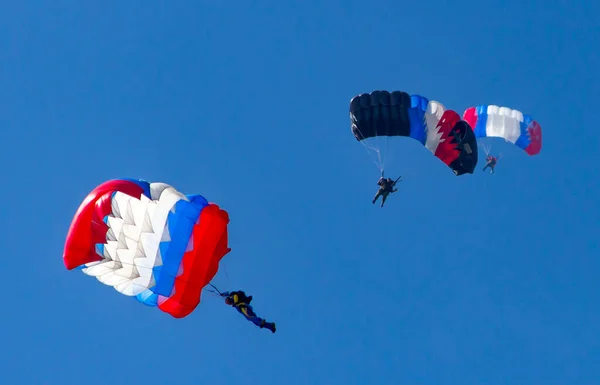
x=241, y=303
x=491, y=163
x=386, y=187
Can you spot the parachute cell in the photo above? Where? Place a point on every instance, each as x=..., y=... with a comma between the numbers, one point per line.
x=149, y=241
x=441, y=131
x=490, y=121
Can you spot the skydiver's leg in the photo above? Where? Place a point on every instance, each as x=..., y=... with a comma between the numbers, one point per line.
x=257, y=321
x=486, y=166
x=383, y=198
x=262, y=323
x=270, y=326
x=377, y=196
x=248, y=312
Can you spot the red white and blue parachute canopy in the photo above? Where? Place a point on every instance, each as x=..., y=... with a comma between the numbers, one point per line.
x=149, y=241
x=502, y=122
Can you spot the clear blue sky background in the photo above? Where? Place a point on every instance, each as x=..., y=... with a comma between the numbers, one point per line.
x=477, y=279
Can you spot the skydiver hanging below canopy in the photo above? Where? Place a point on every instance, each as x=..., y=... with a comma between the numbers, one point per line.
x=241, y=302
x=491, y=163
x=386, y=187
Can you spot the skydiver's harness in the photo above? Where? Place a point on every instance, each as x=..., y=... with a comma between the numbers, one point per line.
x=387, y=187
x=240, y=300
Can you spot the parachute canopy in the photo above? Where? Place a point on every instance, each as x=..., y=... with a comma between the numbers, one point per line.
x=441, y=131
x=501, y=122
x=148, y=241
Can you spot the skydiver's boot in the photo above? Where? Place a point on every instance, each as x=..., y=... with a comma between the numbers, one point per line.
x=268, y=325
x=271, y=326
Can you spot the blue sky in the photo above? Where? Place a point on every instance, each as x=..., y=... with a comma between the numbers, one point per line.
x=477, y=279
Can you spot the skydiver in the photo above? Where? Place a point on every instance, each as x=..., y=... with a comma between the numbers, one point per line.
x=386, y=187
x=241, y=302
x=491, y=163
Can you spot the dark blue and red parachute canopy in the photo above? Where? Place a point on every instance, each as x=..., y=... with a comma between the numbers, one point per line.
x=398, y=114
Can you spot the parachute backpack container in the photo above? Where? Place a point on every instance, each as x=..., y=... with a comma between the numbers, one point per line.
x=148, y=241
x=490, y=121
x=397, y=114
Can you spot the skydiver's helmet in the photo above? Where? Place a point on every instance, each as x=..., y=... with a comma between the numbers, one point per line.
x=228, y=300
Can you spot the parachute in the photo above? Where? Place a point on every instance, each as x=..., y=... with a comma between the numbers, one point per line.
x=490, y=121
x=148, y=241
x=397, y=114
